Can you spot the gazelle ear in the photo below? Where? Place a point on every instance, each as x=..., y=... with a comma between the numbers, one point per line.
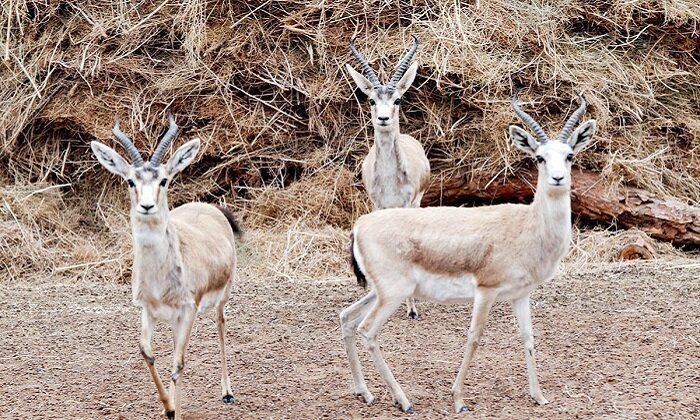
x=110, y=159
x=523, y=140
x=361, y=81
x=407, y=79
x=582, y=136
x=183, y=157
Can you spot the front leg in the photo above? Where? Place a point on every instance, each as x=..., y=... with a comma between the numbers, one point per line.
x=521, y=307
x=147, y=353
x=182, y=328
x=483, y=300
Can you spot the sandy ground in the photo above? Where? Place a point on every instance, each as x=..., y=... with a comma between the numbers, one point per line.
x=617, y=342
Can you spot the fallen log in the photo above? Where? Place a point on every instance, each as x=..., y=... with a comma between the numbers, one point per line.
x=666, y=219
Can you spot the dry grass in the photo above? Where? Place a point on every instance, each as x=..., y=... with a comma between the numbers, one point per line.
x=262, y=84
x=42, y=235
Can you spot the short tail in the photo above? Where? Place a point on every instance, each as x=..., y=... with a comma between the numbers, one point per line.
x=361, y=279
x=231, y=221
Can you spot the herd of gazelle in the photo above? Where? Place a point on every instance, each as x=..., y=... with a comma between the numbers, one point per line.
x=185, y=259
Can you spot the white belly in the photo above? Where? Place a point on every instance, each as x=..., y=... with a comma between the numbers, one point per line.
x=442, y=288
x=163, y=312
x=459, y=289
x=211, y=299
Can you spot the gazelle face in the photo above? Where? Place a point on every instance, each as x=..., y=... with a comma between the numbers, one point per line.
x=385, y=108
x=384, y=102
x=148, y=184
x=554, y=157
x=148, y=188
x=554, y=162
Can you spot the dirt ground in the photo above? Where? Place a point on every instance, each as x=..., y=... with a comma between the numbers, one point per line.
x=618, y=342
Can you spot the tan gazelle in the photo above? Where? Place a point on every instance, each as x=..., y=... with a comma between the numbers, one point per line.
x=453, y=255
x=184, y=259
x=396, y=171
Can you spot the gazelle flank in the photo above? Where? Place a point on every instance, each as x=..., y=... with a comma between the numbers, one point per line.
x=396, y=171
x=452, y=255
x=184, y=259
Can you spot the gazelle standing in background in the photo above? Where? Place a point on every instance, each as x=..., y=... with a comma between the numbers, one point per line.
x=396, y=171
x=453, y=255
x=184, y=259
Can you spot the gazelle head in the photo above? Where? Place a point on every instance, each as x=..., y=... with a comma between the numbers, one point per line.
x=147, y=180
x=384, y=99
x=553, y=157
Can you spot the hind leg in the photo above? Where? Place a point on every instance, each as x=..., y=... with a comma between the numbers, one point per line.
x=226, y=393
x=350, y=318
x=369, y=329
x=411, y=310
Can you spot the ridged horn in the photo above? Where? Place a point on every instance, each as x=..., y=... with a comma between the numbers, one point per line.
x=401, y=69
x=365, y=66
x=126, y=142
x=527, y=119
x=165, y=141
x=573, y=119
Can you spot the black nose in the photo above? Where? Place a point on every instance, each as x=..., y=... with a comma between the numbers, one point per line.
x=383, y=118
x=557, y=178
x=147, y=206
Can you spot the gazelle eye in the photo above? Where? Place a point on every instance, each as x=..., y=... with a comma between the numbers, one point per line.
x=570, y=157
x=371, y=102
x=131, y=183
x=539, y=158
x=397, y=102
x=163, y=182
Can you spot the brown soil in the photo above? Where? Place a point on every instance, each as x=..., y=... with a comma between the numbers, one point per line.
x=618, y=342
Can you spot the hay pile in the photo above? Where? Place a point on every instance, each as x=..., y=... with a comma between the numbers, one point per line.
x=262, y=83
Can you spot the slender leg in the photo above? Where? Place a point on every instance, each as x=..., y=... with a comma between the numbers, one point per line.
x=182, y=328
x=411, y=310
x=350, y=318
x=483, y=300
x=369, y=328
x=521, y=307
x=226, y=393
x=147, y=353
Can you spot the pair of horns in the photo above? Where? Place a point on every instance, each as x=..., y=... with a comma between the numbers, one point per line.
x=136, y=157
x=400, y=70
x=537, y=129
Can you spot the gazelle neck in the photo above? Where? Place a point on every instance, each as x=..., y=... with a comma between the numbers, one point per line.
x=150, y=231
x=552, y=212
x=388, y=157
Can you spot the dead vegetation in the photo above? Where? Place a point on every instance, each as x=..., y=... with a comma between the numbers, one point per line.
x=262, y=83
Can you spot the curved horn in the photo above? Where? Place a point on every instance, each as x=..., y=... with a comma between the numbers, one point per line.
x=401, y=69
x=165, y=141
x=365, y=66
x=573, y=119
x=126, y=142
x=539, y=132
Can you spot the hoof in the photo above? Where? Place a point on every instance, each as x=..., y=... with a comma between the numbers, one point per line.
x=412, y=315
x=170, y=414
x=228, y=399
x=541, y=400
x=367, y=398
x=408, y=410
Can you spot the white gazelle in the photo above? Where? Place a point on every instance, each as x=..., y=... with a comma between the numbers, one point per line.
x=396, y=171
x=184, y=259
x=448, y=254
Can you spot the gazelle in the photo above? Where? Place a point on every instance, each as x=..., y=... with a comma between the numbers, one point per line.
x=184, y=259
x=396, y=171
x=449, y=254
